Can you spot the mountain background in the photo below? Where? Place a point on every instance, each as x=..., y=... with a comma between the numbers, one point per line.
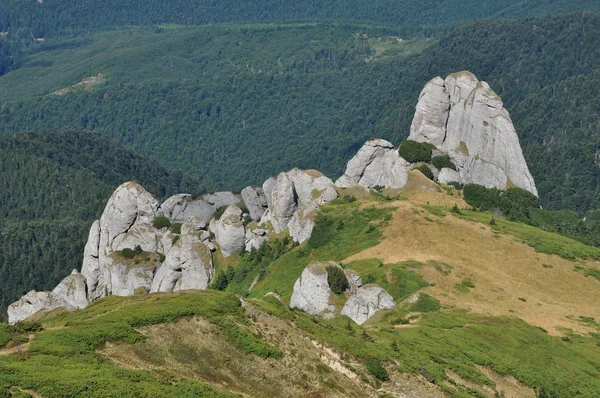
x=220, y=96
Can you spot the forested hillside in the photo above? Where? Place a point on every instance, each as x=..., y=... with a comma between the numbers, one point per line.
x=53, y=186
x=234, y=105
x=60, y=17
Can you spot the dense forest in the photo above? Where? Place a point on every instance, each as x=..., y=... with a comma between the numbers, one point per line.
x=235, y=105
x=46, y=18
x=53, y=186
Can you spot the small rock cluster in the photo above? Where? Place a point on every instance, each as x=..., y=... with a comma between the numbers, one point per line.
x=312, y=294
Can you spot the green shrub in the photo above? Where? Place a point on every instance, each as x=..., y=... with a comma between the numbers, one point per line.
x=176, y=228
x=175, y=239
x=337, y=280
x=161, y=222
x=413, y=151
x=426, y=303
x=468, y=283
x=425, y=170
x=442, y=161
x=349, y=198
x=374, y=367
x=130, y=253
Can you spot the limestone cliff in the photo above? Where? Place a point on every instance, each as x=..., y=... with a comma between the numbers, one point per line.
x=464, y=118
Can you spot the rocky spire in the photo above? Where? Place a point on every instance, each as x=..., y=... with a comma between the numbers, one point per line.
x=466, y=119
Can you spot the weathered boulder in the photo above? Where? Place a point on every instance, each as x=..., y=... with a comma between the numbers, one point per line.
x=73, y=290
x=255, y=201
x=377, y=163
x=367, y=300
x=295, y=198
x=188, y=264
x=268, y=188
x=311, y=290
x=255, y=238
x=128, y=212
x=182, y=207
x=229, y=231
x=478, y=133
x=448, y=175
x=33, y=302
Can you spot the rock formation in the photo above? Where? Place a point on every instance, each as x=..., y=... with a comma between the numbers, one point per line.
x=33, y=302
x=312, y=293
x=229, y=231
x=182, y=207
x=255, y=201
x=367, y=300
x=464, y=118
x=377, y=163
x=311, y=290
x=294, y=199
x=188, y=264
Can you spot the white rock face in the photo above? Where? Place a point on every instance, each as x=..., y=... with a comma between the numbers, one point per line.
x=182, y=207
x=431, y=115
x=33, y=302
x=464, y=118
x=311, y=290
x=448, y=175
x=367, y=300
x=188, y=264
x=125, y=223
x=90, y=267
x=377, y=163
x=255, y=201
x=295, y=198
x=73, y=290
x=229, y=231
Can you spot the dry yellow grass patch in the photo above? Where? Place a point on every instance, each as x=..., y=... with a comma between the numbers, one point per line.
x=502, y=269
x=421, y=189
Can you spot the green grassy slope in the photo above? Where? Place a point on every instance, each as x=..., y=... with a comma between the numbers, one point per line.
x=234, y=105
x=54, y=186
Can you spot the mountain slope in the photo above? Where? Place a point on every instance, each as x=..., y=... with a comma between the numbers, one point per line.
x=489, y=338
x=276, y=97
x=54, y=186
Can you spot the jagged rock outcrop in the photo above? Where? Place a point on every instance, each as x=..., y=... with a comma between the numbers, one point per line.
x=229, y=231
x=73, y=290
x=126, y=223
x=182, y=207
x=367, y=300
x=447, y=176
x=464, y=118
x=311, y=290
x=294, y=199
x=188, y=264
x=255, y=201
x=33, y=302
x=377, y=163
